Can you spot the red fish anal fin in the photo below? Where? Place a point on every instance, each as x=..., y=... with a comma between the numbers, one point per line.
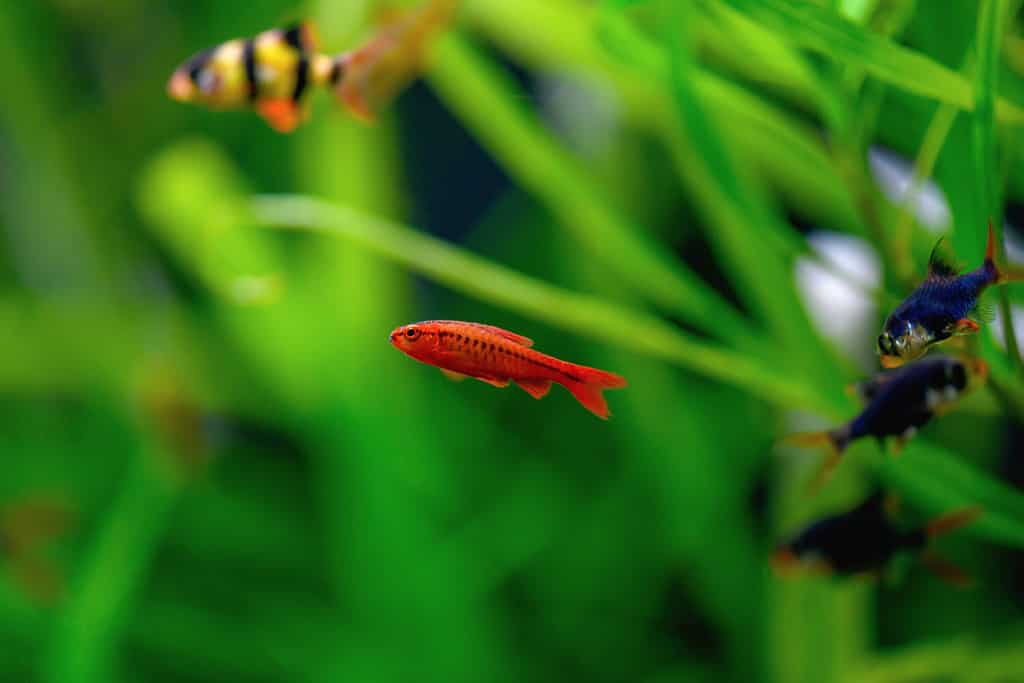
x=494, y=381
x=953, y=521
x=946, y=570
x=283, y=115
x=538, y=388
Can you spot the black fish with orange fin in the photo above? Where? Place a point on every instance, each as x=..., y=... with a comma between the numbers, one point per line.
x=898, y=403
x=865, y=539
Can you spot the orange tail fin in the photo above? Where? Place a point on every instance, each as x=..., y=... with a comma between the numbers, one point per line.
x=953, y=521
x=590, y=392
x=373, y=74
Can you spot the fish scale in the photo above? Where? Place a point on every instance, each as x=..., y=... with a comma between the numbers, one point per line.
x=498, y=357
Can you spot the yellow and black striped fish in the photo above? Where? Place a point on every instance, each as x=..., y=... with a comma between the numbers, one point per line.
x=274, y=71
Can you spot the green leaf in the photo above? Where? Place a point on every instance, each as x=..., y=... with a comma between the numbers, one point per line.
x=587, y=315
x=816, y=28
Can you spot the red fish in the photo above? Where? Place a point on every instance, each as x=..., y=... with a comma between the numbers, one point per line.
x=496, y=356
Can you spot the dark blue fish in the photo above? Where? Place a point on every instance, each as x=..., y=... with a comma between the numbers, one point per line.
x=898, y=403
x=944, y=305
x=864, y=540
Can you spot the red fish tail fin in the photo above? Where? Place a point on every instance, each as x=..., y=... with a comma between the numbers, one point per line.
x=589, y=391
x=833, y=441
x=951, y=522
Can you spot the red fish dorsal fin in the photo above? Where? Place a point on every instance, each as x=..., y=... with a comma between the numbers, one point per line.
x=511, y=336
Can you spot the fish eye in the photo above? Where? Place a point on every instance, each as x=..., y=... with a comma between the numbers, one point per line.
x=411, y=333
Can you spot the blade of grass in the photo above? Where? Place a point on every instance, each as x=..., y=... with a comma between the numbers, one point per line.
x=580, y=313
x=989, y=40
x=817, y=28
x=938, y=481
x=486, y=102
x=91, y=623
x=739, y=220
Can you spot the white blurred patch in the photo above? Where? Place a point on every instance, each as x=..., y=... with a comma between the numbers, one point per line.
x=895, y=176
x=1014, y=245
x=999, y=332
x=581, y=109
x=838, y=295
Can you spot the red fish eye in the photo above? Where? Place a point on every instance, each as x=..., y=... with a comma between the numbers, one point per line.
x=412, y=333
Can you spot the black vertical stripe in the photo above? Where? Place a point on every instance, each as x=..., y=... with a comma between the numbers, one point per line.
x=337, y=71
x=249, y=57
x=301, y=77
x=293, y=36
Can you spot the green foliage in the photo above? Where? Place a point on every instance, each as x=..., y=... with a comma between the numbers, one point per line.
x=195, y=313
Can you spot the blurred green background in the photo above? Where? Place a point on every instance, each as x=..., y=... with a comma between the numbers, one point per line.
x=217, y=468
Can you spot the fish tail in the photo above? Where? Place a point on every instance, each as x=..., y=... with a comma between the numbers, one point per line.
x=952, y=521
x=589, y=391
x=834, y=441
x=370, y=76
x=998, y=273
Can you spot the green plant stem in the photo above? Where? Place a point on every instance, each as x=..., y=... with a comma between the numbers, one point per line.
x=580, y=313
x=484, y=100
x=986, y=89
x=91, y=623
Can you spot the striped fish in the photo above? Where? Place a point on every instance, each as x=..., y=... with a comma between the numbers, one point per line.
x=274, y=72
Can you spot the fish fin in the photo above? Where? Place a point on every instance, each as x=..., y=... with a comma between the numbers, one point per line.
x=966, y=326
x=373, y=74
x=304, y=36
x=589, y=392
x=511, y=336
x=952, y=521
x=938, y=267
x=834, y=441
x=899, y=444
x=866, y=390
x=784, y=561
x=452, y=375
x=946, y=570
x=983, y=313
x=494, y=381
x=283, y=114
x=538, y=388
x=1000, y=273
x=890, y=362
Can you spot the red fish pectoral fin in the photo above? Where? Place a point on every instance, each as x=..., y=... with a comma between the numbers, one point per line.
x=966, y=326
x=538, y=388
x=946, y=570
x=283, y=115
